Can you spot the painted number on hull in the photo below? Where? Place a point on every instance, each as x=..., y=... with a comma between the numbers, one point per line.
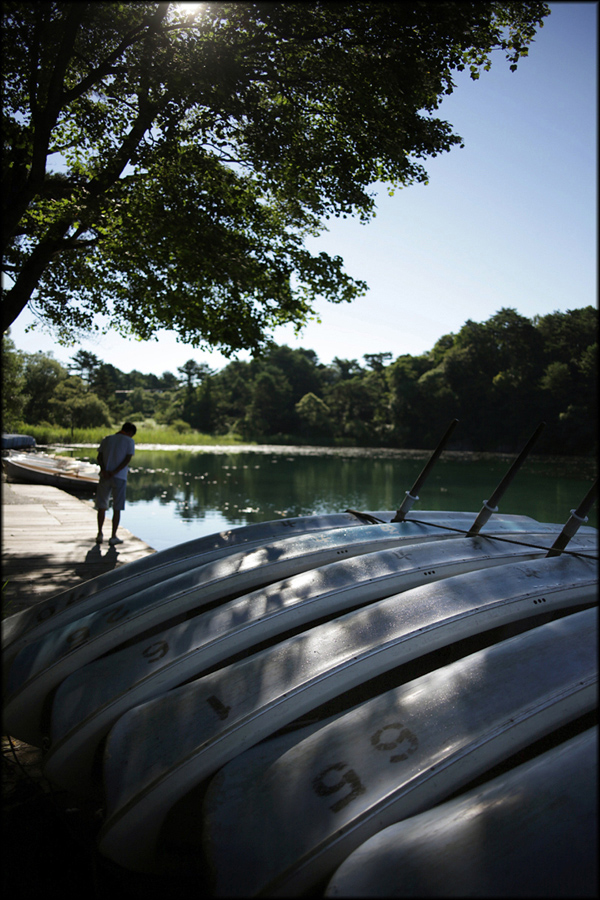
x=155, y=651
x=78, y=637
x=401, y=737
x=340, y=777
x=218, y=706
x=328, y=782
x=116, y=614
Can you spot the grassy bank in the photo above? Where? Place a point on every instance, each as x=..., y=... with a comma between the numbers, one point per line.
x=148, y=432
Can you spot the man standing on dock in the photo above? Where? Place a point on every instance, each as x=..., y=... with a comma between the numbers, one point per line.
x=114, y=455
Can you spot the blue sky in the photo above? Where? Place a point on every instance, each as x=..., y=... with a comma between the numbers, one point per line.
x=508, y=221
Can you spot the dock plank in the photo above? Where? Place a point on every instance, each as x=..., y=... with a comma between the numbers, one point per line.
x=48, y=544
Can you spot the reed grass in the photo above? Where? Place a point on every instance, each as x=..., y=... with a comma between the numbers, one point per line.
x=147, y=433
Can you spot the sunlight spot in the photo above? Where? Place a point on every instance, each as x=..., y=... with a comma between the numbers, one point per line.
x=190, y=9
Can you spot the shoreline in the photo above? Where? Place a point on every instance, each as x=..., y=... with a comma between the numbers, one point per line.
x=310, y=450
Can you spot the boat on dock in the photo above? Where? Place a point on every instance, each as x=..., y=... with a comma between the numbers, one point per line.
x=361, y=669
x=259, y=544
x=553, y=796
x=40, y=666
x=16, y=442
x=392, y=757
x=87, y=703
x=55, y=471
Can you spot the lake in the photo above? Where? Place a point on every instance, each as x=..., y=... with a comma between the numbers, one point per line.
x=176, y=495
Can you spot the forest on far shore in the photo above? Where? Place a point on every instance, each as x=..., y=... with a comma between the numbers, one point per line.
x=499, y=378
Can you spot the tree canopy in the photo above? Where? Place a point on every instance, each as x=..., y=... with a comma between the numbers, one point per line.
x=164, y=167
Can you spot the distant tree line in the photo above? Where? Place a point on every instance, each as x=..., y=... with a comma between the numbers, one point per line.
x=500, y=378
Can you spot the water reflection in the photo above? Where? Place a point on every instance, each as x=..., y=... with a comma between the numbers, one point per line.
x=176, y=495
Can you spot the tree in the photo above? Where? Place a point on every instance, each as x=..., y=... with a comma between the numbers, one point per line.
x=43, y=374
x=86, y=364
x=346, y=368
x=73, y=406
x=203, y=412
x=314, y=416
x=566, y=336
x=13, y=385
x=403, y=376
x=353, y=404
x=193, y=372
x=298, y=366
x=139, y=404
x=269, y=411
x=232, y=394
x=377, y=361
x=167, y=382
x=163, y=167
x=105, y=381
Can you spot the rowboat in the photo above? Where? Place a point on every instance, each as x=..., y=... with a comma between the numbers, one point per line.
x=259, y=544
x=40, y=666
x=552, y=853
x=89, y=701
x=146, y=685
x=158, y=593
x=159, y=750
x=56, y=471
x=390, y=758
x=17, y=441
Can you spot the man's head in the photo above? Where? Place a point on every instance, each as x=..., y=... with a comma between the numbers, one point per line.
x=129, y=429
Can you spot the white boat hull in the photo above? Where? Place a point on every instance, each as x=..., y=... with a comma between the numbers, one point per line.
x=148, y=680
x=183, y=736
x=88, y=702
x=532, y=832
x=154, y=570
x=55, y=471
x=40, y=666
x=392, y=757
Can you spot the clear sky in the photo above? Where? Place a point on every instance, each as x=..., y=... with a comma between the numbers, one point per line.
x=508, y=221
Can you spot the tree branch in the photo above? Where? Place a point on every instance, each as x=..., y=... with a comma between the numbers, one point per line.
x=150, y=24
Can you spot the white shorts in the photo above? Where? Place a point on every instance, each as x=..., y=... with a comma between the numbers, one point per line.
x=108, y=487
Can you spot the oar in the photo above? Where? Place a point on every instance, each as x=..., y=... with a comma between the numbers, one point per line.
x=412, y=496
x=491, y=506
x=578, y=517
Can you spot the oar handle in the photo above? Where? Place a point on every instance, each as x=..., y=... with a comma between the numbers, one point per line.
x=577, y=519
x=413, y=495
x=491, y=506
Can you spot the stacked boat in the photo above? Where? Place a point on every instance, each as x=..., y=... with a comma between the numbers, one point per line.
x=288, y=704
x=56, y=471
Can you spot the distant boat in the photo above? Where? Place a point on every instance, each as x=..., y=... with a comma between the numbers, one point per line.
x=17, y=441
x=56, y=471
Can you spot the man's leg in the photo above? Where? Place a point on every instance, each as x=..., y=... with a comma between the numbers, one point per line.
x=118, y=494
x=102, y=497
x=101, y=515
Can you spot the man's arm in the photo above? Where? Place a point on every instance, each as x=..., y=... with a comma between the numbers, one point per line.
x=100, y=461
x=121, y=465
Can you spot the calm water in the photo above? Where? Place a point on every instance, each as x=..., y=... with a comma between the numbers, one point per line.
x=178, y=495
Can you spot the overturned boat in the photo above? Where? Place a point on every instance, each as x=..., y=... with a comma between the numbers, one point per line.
x=289, y=689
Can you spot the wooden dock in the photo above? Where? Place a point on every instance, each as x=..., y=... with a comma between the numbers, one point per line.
x=48, y=544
